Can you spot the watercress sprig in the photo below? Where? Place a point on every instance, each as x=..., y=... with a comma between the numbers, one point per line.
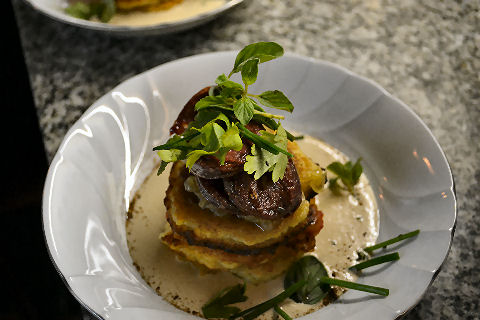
x=220, y=120
x=218, y=306
x=306, y=281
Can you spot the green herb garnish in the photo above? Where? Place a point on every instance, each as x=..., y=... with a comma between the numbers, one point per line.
x=218, y=307
x=253, y=312
x=391, y=241
x=310, y=269
x=348, y=173
x=318, y=283
x=262, y=160
x=282, y=313
x=219, y=124
x=376, y=261
x=102, y=9
x=356, y=286
x=306, y=282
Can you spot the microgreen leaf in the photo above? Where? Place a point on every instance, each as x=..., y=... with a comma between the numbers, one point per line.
x=162, y=167
x=347, y=173
x=223, y=81
x=312, y=271
x=263, y=51
x=79, y=10
x=218, y=307
x=230, y=141
x=207, y=116
x=193, y=156
x=318, y=283
x=275, y=99
x=107, y=10
x=169, y=155
x=262, y=161
x=250, y=71
x=334, y=186
x=211, y=134
x=210, y=101
x=272, y=124
x=103, y=9
x=243, y=110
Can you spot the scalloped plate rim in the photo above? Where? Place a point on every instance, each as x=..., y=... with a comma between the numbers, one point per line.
x=45, y=207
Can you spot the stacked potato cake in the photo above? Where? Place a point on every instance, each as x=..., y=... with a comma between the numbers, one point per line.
x=221, y=218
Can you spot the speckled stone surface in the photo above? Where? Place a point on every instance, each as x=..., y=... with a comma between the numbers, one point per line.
x=427, y=53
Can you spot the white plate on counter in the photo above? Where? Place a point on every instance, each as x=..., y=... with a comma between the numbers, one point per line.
x=107, y=153
x=183, y=16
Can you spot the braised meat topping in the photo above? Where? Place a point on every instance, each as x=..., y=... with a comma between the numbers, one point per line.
x=264, y=198
x=229, y=187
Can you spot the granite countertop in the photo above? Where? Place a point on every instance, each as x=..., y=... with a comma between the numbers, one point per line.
x=427, y=53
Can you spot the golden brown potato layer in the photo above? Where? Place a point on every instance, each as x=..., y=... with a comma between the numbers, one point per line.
x=184, y=215
x=240, y=246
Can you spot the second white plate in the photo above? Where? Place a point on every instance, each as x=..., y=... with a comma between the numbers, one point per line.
x=186, y=15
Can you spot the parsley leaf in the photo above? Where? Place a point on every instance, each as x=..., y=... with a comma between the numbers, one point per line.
x=218, y=307
x=243, y=110
x=348, y=173
x=262, y=161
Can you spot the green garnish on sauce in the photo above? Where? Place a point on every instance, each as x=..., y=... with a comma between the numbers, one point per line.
x=386, y=243
x=102, y=9
x=348, y=173
x=219, y=124
x=218, y=306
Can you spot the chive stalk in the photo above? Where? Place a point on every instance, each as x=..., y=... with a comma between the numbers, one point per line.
x=391, y=241
x=355, y=286
x=260, y=142
x=375, y=261
x=282, y=313
x=171, y=145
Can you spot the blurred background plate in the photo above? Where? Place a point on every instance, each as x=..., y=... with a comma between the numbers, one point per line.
x=185, y=15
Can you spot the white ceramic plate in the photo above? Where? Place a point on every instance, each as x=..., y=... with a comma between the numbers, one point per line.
x=107, y=153
x=152, y=23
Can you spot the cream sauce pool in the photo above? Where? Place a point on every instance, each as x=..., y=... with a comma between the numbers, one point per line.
x=350, y=223
x=184, y=10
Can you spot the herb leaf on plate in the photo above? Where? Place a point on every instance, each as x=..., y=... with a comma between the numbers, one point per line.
x=218, y=307
x=348, y=173
x=312, y=271
x=104, y=10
